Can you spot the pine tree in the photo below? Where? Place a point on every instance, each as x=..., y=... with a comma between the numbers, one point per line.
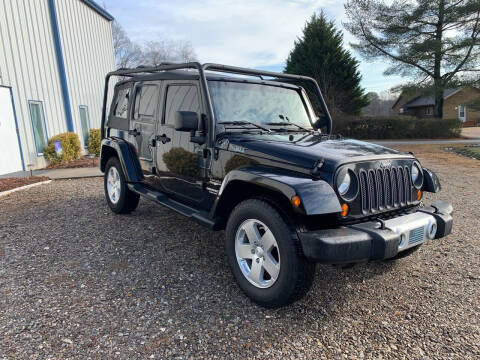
x=319, y=53
x=433, y=42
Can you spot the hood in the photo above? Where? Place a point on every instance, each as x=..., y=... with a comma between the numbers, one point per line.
x=304, y=151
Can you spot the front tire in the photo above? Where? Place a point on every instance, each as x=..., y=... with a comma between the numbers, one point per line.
x=119, y=198
x=266, y=260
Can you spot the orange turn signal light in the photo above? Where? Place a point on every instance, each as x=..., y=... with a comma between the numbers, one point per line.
x=345, y=210
x=295, y=201
x=419, y=194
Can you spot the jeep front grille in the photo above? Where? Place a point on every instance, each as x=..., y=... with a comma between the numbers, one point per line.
x=385, y=188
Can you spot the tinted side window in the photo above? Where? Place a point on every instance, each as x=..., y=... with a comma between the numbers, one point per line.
x=181, y=98
x=121, y=103
x=146, y=101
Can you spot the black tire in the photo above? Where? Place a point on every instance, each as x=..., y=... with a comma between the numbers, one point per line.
x=405, y=253
x=296, y=273
x=128, y=200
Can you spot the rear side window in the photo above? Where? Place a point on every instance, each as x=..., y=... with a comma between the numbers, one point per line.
x=181, y=98
x=120, y=108
x=146, y=101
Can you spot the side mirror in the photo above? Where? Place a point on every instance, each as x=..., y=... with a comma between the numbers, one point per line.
x=320, y=122
x=186, y=121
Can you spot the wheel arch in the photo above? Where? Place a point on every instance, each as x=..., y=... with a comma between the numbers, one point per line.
x=126, y=153
x=277, y=187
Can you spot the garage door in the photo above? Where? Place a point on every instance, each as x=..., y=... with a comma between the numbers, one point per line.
x=10, y=159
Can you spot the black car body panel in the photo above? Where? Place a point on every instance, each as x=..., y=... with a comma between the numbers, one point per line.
x=309, y=149
x=126, y=152
x=204, y=169
x=317, y=197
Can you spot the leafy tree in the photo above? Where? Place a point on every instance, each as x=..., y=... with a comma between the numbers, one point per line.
x=319, y=53
x=434, y=42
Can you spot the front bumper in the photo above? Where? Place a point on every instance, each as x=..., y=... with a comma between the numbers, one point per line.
x=377, y=240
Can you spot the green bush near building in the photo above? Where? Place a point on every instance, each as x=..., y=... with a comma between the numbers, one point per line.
x=71, y=148
x=94, y=142
x=401, y=127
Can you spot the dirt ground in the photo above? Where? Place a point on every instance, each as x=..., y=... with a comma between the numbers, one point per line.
x=79, y=163
x=79, y=282
x=12, y=183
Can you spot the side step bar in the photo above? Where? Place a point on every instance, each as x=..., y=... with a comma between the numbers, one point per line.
x=159, y=197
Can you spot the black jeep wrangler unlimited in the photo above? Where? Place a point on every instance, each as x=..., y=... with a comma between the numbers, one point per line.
x=246, y=153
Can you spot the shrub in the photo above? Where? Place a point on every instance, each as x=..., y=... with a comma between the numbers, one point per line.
x=94, y=142
x=70, y=148
x=400, y=127
x=182, y=162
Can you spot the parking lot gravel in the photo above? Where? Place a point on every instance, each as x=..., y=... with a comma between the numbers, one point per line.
x=77, y=281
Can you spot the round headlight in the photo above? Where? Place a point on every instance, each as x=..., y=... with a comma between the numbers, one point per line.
x=343, y=183
x=415, y=173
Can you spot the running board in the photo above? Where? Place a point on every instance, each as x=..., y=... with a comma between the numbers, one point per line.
x=161, y=198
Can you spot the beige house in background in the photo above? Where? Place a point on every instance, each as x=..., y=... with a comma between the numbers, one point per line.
x=454, y=106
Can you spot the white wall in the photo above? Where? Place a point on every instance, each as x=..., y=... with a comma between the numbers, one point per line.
x=28, y=64
x=88, y=54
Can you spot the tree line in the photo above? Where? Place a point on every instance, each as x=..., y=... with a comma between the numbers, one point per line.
x=435, y=44
x=129, y=54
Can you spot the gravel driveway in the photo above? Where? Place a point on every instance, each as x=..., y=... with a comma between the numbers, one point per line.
x=77, y=281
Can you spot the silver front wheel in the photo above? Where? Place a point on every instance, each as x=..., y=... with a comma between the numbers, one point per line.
x=257, y=253
x=113, y=185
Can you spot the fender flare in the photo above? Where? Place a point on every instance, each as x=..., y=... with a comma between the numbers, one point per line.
x=127, y=155
x=317, y=196
x=431, y=183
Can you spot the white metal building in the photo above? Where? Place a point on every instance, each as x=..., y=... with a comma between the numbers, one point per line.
x=54, y=55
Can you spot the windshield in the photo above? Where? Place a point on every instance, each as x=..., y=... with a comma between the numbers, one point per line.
x=257, y=103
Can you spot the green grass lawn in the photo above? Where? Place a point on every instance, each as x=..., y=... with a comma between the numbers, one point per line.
x=469, y=151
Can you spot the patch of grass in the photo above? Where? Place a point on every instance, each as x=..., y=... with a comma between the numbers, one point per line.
x=469, y=151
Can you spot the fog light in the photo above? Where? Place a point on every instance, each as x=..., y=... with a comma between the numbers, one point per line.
x=432, y=230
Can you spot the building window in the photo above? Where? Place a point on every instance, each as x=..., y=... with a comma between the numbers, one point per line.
x=38, y=124
x=84, y=124
x=429, y=111
x=462, y=113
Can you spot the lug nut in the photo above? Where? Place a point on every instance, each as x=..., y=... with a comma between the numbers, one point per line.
x=252, y=251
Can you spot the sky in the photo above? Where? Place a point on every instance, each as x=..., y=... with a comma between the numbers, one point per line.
x=249, y=33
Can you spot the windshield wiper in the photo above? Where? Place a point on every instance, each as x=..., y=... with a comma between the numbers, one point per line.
x=243, y=123
x=288, y=123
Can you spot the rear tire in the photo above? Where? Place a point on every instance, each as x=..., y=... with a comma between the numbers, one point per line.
x=268, y=264
x=119, y=197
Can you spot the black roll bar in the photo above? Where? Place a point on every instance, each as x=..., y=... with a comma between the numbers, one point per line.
x=204, y=86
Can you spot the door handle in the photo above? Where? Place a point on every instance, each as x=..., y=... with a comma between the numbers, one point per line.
x=163, y=138
x=134, y=132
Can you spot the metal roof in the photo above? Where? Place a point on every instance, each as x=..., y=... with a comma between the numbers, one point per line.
x=428, y=100
x=93, y=5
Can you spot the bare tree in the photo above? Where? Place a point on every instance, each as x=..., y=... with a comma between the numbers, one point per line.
x=156, y=52
x=151, y=53
x=127, y=53
x=380, y=105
